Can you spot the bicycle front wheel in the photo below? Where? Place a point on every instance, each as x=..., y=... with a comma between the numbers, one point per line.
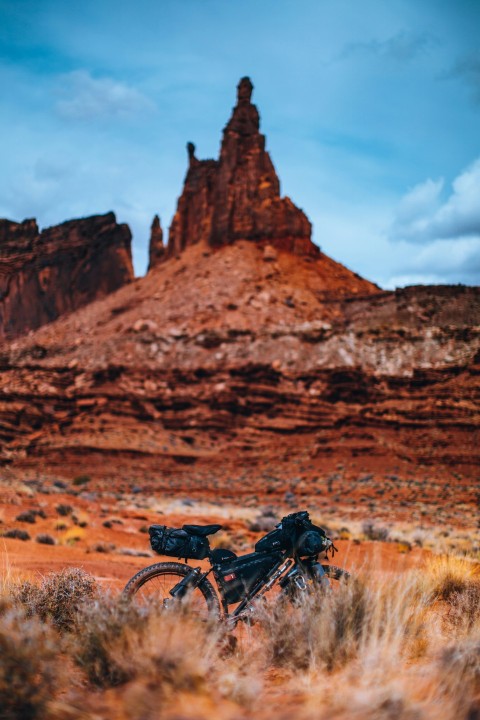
x=338, y=575
x=153, y=585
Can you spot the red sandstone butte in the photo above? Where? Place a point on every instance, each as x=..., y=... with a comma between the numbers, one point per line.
x=46, y=274
x=237, y=197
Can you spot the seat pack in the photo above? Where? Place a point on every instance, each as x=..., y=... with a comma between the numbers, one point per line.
x=178, y=543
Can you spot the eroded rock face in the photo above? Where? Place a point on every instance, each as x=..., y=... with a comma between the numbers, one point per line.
x=229, y=360
x=44, y=275
x=238, y=196
x=222, y=370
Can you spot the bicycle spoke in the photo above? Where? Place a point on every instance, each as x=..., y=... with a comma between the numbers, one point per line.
x=157, y=591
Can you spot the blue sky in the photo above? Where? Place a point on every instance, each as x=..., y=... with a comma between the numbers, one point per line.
x=371, y=111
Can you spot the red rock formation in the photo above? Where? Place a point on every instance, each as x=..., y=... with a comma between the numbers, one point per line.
x=43, y=275
x=218, y=372
x=264, y=366
x=238, y=196
x=192, y=222
x=156, y=247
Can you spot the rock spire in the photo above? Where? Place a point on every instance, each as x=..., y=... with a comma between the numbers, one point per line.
x=156, y=247
x=237, y=197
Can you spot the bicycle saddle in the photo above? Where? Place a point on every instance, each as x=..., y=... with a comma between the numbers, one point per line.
x=202, y=530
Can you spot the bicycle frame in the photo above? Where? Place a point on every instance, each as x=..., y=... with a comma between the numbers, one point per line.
x=285, y=571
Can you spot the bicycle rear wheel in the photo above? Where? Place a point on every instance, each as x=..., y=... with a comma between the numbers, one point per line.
x=152, y=585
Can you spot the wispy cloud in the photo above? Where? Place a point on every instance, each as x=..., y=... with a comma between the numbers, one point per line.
x=446, y=225
x=401, y=47
x=84, y=97
x=422, y=215
x=441, y=261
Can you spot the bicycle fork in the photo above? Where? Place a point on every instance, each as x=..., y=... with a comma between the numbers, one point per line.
x=189, y=582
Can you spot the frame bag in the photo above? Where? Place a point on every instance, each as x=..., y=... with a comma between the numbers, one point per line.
x=237, y=577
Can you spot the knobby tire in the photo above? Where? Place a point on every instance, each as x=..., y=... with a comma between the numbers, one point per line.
x=149, y=574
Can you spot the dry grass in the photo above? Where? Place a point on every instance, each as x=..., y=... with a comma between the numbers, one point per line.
x=30, y=668
x=394, y=648
x=116, y=642
x=58, y=597
x=322, y=631
x=448, y=576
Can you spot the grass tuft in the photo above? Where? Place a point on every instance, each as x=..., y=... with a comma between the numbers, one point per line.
x=58, y=597
x=30, y=672
x=117, y=642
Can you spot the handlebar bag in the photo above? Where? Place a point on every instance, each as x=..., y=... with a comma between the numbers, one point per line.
x=285, y=535
x=178, y=543
x=310, y=543
x=296, y=534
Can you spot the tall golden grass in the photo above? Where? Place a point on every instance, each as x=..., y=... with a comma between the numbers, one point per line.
x=403, y=647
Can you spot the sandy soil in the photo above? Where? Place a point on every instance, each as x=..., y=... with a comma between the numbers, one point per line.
x=107, y=537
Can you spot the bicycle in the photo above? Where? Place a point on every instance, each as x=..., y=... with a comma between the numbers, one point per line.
x=287, y=556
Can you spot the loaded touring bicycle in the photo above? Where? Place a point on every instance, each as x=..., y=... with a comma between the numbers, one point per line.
x=287, y=557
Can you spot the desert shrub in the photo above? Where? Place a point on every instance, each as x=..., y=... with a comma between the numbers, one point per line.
x=323, y=629
x=372, y=532
x=460, y=663
x=383, y=687
x=447, y=577
x=383, y=702
x=99, y=634
x=329, y=629
x=463, y=611
x=81, y=480
x=64, y=509
x=59, y=596
x=133, y=552
x=102, y=547
x=45, y=539
x=264, y=522
x=81, y=522
x=116, y=642
x=28, y=516
x=29, y=671
x=17, y=534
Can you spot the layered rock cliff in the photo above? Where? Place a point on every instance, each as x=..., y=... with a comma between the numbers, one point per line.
x=46, y=274
x=237, y=197
x=236, y=366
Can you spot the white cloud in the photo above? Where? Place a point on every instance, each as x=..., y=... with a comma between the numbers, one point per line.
x=423, y=217
x=441, y=261
x=416, y=208
x=83, y=97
